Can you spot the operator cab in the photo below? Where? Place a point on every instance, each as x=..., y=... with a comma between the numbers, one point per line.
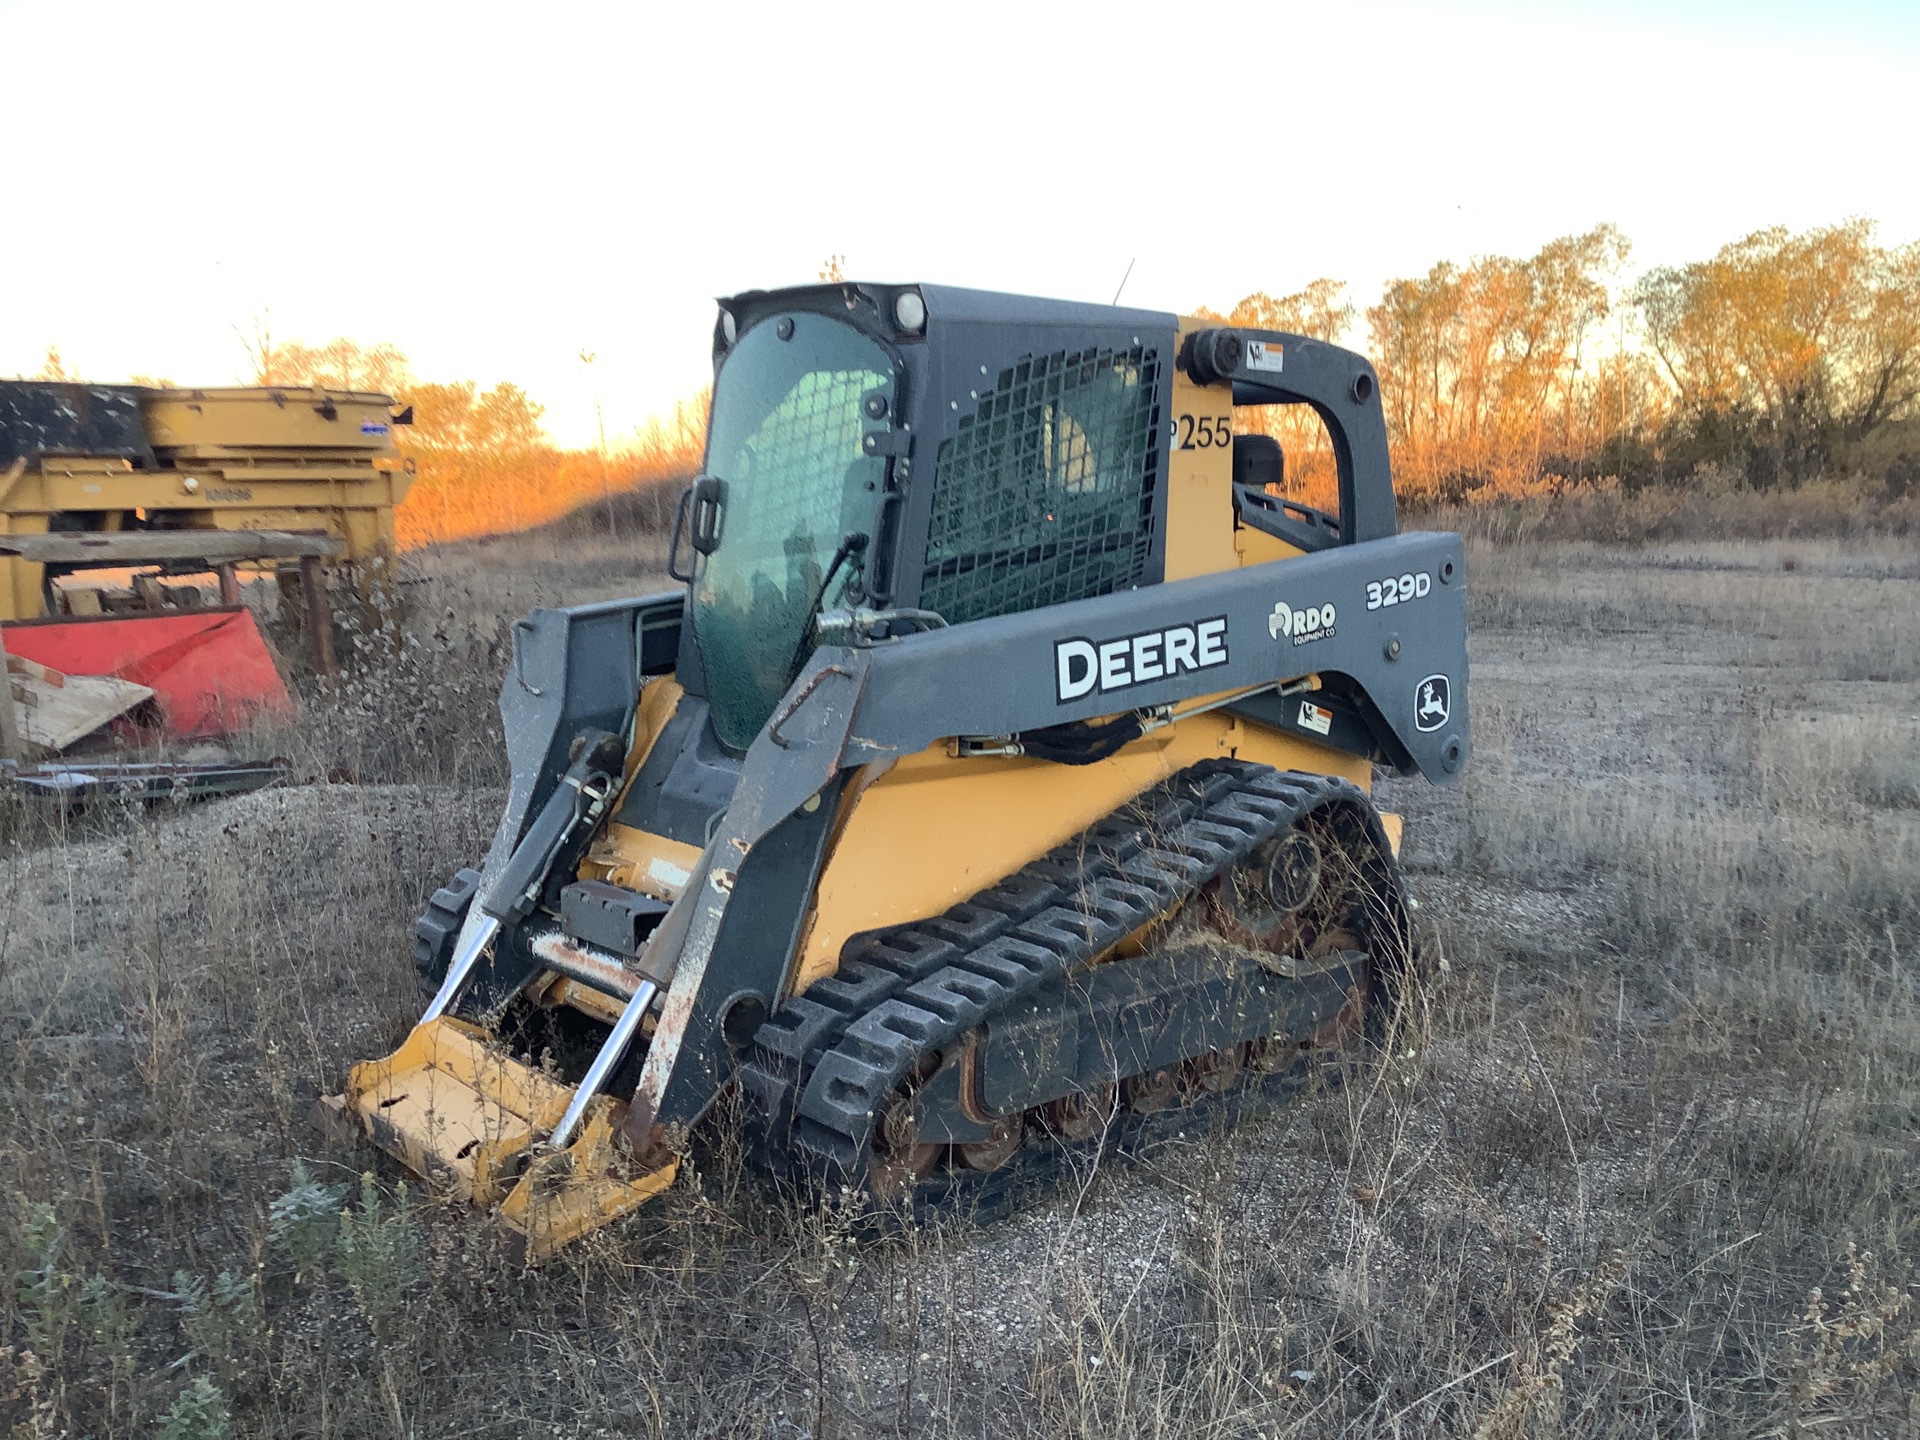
x=899, y=457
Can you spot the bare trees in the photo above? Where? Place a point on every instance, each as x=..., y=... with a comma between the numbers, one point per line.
x=1782, y=357
x=1322, y=311
x=1482, y=364
x=339, y=365
x=1793, y=346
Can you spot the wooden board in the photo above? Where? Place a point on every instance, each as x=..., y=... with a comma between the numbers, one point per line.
x=52, y=710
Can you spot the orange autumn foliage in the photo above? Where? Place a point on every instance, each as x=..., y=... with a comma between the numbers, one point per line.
x=1503, y=379
x=483, y=463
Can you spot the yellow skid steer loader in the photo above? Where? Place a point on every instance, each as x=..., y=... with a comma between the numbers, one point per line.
x=995, y=788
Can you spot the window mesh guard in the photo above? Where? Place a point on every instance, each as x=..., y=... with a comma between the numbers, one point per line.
x=1045, y=494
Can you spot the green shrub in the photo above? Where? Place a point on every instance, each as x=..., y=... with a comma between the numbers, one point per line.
x=304, y=1222
x=49, y=1293
x=199, y=1412
x=379, y=1251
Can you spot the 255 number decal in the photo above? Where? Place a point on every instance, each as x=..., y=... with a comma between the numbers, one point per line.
x=1203, y=433
x=1398, y=590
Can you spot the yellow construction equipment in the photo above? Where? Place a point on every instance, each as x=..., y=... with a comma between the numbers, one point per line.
x=173, y=482
x=994, y=789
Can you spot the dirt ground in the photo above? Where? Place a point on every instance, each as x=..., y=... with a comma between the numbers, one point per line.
x=1642, y=1163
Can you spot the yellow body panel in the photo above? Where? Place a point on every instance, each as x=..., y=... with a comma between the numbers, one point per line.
x=218, y=491
x=930, y=830
x=638, y=859
x=659, y=699
x=20, y=580
x=1200, y=484
x=1200, y=534
x=267, y=416
x=1256, y=547
x=557, y=990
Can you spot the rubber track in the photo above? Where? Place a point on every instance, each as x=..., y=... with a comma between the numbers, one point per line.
x=436, y=932
x=824, y=1065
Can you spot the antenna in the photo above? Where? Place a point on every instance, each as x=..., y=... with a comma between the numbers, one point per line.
x=1123, y=280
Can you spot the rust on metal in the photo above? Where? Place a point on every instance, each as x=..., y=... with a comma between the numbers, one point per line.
x=577, y=961
x=970, y=1087
x=792, y=706
x=669, y=1028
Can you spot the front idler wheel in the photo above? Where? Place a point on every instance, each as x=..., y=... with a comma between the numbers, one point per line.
x=1272, y=899
x=1293, y=873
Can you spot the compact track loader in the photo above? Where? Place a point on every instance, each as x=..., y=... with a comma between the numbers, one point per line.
x=995, y=789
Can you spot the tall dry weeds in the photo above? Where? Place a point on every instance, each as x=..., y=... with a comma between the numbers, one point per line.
x=1663, y=1090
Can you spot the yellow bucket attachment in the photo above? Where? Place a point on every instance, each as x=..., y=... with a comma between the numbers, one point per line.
x=566, y=1193
x=462, y=1115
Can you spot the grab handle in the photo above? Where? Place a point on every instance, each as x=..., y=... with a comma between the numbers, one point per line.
x=673, y=544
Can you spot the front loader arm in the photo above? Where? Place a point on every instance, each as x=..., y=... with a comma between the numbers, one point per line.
x=544, y=859
x=757, y=872
x=1017, y=673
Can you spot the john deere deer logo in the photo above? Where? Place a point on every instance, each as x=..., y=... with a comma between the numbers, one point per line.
x=1431, y=704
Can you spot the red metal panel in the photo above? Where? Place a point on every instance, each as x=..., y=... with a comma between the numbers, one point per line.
x=210, y=670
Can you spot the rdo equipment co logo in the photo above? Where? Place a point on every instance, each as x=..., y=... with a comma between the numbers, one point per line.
x=1301, y=626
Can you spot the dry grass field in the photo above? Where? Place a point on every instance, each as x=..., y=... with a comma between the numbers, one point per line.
x=1643, y=1163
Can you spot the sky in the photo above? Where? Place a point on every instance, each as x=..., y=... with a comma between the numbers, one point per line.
x=497, y=188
